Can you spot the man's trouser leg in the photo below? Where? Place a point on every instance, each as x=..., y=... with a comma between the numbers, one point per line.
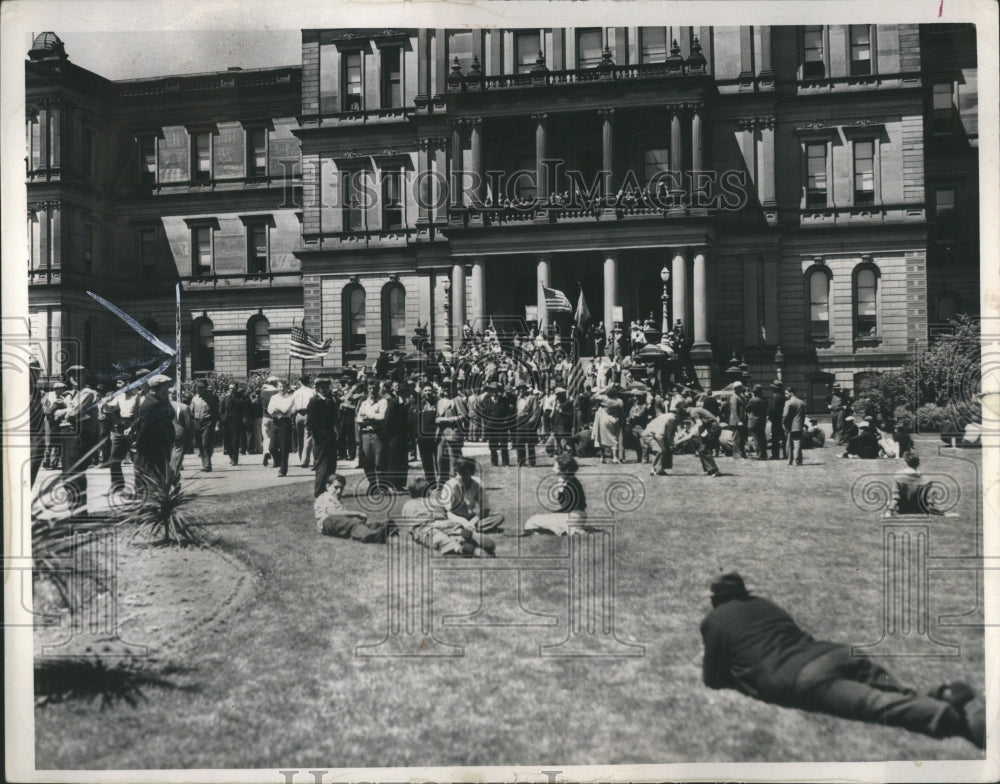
x=707, y=461
x=369, y=455
x=326, y=465
x=74, y=474
x=283, y=432
x=120, y=445
x=759, y=442
x=793, y=446
x=858, y=688
x=205, y=439
x=777, y=441
x=300, y=434
x=739, y=450
x=447, y=454
x=426, y=447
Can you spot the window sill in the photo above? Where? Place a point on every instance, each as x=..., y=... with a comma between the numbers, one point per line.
x=868, y=342
x=822, y=342
x=355, y=356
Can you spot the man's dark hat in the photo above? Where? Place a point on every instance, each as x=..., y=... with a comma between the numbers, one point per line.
x=757, y=389
x=729, y=586
x=777, y=385
x=324, y=380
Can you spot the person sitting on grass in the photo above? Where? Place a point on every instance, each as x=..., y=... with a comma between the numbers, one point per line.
x=865, y=444
x=754, y=647
x=464, y=499
x=429, y=525
x=903, y=439
x=334, y=519
x=813, y=436
x=571, y=500
x=911, y=494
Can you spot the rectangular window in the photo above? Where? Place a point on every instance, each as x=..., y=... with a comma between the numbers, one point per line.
x=201, y=156
x=392, y=199
x=944, y=213
x=392, y=78
x=652, y=44
x=257, y=255
x=527, y=45
x=816, y=188
x=861, y=50
x=526, y=185
x=201, y=250
x=148, y=253
x=460, y=46
x=867, y=298
x=864, y=172
x=588, y=47
x=944, y=107
x=813, y=63
x=353, y=99
x=147, y=159
x=257, y=152
x=654, y=162
x=819, y=306
x=353, y=204
x=33, y=241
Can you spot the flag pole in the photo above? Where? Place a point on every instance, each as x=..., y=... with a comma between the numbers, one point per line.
x=178, y=363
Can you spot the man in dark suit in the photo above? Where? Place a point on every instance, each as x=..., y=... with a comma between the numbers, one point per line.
x=757, y=421
x=495, y=409
x=756, y=648
x=775, y=414
x=322, y=418
x=232, y=416
x=396, y=438
x=153, y=434
x=794, y=420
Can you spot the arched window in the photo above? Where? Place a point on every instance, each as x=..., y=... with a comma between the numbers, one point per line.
x=258, y=343
x=866, y=301
x=202, y=346
x=819, y=304
x=355, y=338
x=393, y=316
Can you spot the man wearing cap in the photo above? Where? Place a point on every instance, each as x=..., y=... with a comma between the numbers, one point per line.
x=153, y=432
x=322, y=417
x=756, y=648
x=205, y=413
x=51, y=402
x=77, y=423
x=775, y=415
x=794, y=420
x=757, y=421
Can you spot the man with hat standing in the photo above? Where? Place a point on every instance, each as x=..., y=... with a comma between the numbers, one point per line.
x=51, y=402
x=121, y=414
x=757, y=421
x=77, y=424
x=303, y=436
x=281, y=408
x=322, y=417
x=233, y=414
x=775, y=415
x=205, y=413
x=756, y=648
x=794, y=420
x=154, y=435
x=527, y=413
x=737, y=420
x=495, y=410
x=267, y=390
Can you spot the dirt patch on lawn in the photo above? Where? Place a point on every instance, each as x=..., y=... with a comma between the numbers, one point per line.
x=158, y=601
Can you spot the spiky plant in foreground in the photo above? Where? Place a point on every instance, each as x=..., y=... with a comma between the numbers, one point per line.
x=159, y=509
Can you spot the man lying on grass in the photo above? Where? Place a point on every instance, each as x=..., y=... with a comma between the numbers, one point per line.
x=431, y=526
x=755, y=647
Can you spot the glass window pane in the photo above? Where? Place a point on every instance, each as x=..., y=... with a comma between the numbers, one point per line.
x=860, y=34
x=942, y=95
x=653, y=41
x=460, y=46
x=527, y=45
x=588, y=47
x=944, y=200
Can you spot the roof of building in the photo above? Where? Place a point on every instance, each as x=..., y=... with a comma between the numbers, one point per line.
x=47, y=44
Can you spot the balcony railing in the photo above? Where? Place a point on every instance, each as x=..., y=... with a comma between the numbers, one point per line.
x=241, y=279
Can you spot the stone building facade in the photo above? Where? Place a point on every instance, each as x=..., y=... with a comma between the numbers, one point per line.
x=811, y=190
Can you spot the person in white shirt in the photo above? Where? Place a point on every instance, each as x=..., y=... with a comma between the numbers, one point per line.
x=268, y=390
x=335, y=519
x=371, y=421
x=281, y=409
x=304, y=438
x=121, y=410
x=77, y=422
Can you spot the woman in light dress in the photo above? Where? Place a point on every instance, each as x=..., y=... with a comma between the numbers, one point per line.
x=607, y=428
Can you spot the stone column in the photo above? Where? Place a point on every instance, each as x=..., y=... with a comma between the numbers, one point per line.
x=476, y=159
x=765, y=51
x=457, y=304
x=700, y=299
x=608, y=151
x=423, y=68
x=678, y=276
x=541, y=182
x=457, y=162
x=440, y=62
x=440, y=191
x=543, y=280
x=677, y=158
x=767, y=161
x=610, y=290
x=697, y=140
x=478, y=309
x=425, y=191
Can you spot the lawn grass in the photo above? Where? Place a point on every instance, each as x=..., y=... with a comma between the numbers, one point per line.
x=278, y=683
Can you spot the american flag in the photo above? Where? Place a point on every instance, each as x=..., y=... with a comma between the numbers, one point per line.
x=575, y=379
x=304, y=346
x=556, y=301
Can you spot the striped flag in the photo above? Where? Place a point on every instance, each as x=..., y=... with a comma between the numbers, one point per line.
x=556, y=301
x=304, y=346
x=575, y=379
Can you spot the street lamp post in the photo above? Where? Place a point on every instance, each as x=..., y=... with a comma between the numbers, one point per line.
x=665, y=299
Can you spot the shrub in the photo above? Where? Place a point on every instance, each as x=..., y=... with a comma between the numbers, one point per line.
x=932, y=417
x=904, y=418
